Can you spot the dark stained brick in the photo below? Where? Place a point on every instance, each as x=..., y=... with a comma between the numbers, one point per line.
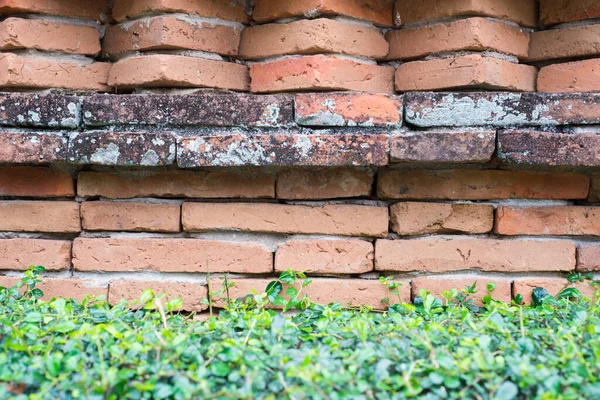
x=20, y=147
x=43, y=110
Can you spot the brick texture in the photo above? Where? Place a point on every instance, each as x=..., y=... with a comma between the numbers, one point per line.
x=438, y=285
x=581, y=41
x=192, y=294
x=234, y=10
x=19, y=254
x=588, y=258
x=46, y=110
x=594, y=195
x=32, y=147
x=576, y=76
x=525, y=286
x=133, y=217
x=73, y=288
x=548, y=221
x=317, y=184
x=97, y=10
x=40, y=216
x=554, y=12
x=35, y=182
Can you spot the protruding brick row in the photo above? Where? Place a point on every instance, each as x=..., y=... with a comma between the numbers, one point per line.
x=192, y=294
x=501, y=109
x=489, y=255
x=377, y=11
x=312, y=37
x=553, y=44
x=122, y=148
x=576, y=76
x=348, y=109
x=35, y=71
x=548, y=221
x=549, y=149
x=437, y=285
x=45, y=110
x=554, y=12
x=35, y=182
x=171, y=32
x=72, y=288
x=469, y=71
x=522, y=12
x=189, y=184
x=170, y=255
x=32, y=147
x=480, y=185
x=40, y=216
x=342, y=220
x=162, y=70
x=214, y=109
x=19, y=254
x=588, y=257
x=472, y=34
x=525, y=287
x=234, y=10
x=286, y=148
x=19, y=33
x=130, y=217
x=320, y=72
x=443, y=146
x=325, y=256
x=413, y=218
x=321, y=184
x=97, y=10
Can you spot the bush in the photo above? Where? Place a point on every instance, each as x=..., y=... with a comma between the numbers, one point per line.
x=434, y=350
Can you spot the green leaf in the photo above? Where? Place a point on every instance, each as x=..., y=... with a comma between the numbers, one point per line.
x=273, y=290
x=537, y=296
x=507, y=391
x=220, y=369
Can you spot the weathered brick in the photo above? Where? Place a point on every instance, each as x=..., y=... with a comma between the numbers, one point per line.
x=171, y=32
x=348, y=109
x=325, y=256
x=40, y=216
x=20, y=33
x=71, y=288
x=549, y=149
x=576, y=76
x=319, y=184
x=162, y=70
x=297, y=149
x=192, y=294
x=35, y=71
x=343, y=220
x=320, y=72
x=412, y=218
x=122, y=148
x=480, y=185
x=32, y=147
x=522, y=12
x=472, y=34
x=525, y=286
x=501, y=109
x=47, y=110
x=233, y=10
x=594, y=195
x=170, y=255
x=19, y=254
x=195, y=184
x=376, y=11
x=588, y=258
x=97, y=10
x=212, y=109
x=578, y=41
x=312, y=37
x=35, y=182
x=133, y=217
x=489, y=255
x=443, y=146
x=469, y=71
x=554, y=12
x=548, y=221
x=437, y=285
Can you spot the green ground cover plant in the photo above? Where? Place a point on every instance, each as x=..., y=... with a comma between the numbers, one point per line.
x=434, y=349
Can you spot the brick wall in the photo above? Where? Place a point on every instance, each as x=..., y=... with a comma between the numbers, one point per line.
x=442, y=142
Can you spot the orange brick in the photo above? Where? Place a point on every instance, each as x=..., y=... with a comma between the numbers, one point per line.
x=548, y=221
x=424, y=218
x=348, y=109
x=133, y=217
x=19, y=254
x=40, y=216
x=129, y=290
x=448, y=255
x=170, y=255
x=576, y=76
x=580, y=41
x=195, y=184
x=161, y=70
x=68, y=288
x=588, y=258
x=343, y=220
x=98, y=10
x=470, y=71
x=554, y=12
x=320, y=72
x=437, y=285
x=35, y=182
x=19, y=33
x=170, y=32
x=319, y=184
x=35, y=71
x=473, y=34
x=231, y=10
x=525, y=286
x=312, y=37
x=522, y=12
x=481, y=185
x=377, y=11
x=325, y=256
